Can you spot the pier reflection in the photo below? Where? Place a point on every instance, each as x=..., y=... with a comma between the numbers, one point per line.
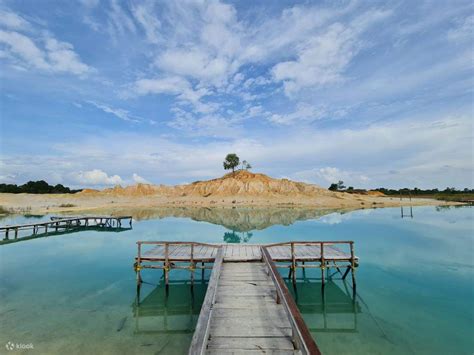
x=333, y=310
x=24, y=236
x=174, y=311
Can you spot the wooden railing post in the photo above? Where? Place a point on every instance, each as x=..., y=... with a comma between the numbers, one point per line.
x=138, y=266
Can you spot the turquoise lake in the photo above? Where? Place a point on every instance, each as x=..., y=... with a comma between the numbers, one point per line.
x=76, y=293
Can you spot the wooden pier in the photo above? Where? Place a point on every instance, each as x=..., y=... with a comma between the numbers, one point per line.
x=61, y=224
x=248, y=307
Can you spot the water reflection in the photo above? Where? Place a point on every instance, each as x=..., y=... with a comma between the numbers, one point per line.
x=237, y=237
x=173, y=311
x=24, y=235
x=238, y=219
x=333, y=310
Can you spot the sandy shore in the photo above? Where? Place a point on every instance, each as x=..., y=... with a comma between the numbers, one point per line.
x=41, y=204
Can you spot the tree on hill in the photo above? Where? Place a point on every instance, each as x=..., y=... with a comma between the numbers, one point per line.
x=339, y=186
x=246, y=165
x=231, y=162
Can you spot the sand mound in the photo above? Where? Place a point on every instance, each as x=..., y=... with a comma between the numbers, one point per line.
x=245, y=183
x=375, y=193
x=241, y=183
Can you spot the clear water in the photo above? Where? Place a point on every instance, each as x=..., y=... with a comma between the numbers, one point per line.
x=76, y=293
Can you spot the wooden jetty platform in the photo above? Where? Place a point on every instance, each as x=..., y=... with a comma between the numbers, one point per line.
x=63, y=223
x=248, y=307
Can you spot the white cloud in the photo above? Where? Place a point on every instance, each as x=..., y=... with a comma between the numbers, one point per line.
x=139, y=180
x=90, y=3
x=13, y=21
x=144, y=15
x=369, y=157
x=325, y=56
x=303, y=113
x=176, y=86
x=96, y=177
x=117, y=112
x=464, y=30
x=55, y=56
x=120, y=22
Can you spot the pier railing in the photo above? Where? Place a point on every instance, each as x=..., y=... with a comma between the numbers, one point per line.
x=301, y=335
x=322, y=262
x=169, y=262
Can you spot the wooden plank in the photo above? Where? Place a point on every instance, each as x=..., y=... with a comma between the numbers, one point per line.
x=243, y=330
x=251, y=343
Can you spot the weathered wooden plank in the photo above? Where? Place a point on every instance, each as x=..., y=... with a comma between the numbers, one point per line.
x=242, y=330
x=251, y=343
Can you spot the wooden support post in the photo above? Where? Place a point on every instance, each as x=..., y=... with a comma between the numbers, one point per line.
x=346, y=272
x=323, y=264
x=166, y=264
x=353, y=266
x=46, y=228
x=139, y=265
x=202, y=270
x=6, y=234
x=192, y=266
x=16, y=233
x=293, y=262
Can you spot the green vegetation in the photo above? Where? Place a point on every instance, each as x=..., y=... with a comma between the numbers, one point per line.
x=231, y=162
x=3, y=210
x=36, y=187
x=339, y=186
x=448, y=194
x=246, y=165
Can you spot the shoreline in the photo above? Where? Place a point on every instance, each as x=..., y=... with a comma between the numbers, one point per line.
x=70, y=203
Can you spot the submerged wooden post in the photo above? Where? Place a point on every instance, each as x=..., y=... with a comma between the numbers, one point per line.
x=353, y=266
x=16, y=233
x=293, y=262
x=6, y=233
x=166, y=264
x=191, y=267
x=323, y=266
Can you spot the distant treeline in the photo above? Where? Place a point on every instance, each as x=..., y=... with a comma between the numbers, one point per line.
x=448, y=194
x=417, y=191
x=36, y=187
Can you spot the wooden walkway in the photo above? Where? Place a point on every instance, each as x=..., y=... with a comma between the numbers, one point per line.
x=60, y=224
x=245, y=316
x=247, y=307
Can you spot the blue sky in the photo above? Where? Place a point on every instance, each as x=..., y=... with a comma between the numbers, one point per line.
x=97, y=93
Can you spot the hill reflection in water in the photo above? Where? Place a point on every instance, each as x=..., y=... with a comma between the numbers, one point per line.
x=237, y=219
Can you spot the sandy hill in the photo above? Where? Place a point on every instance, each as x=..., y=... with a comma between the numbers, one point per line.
x=240, y=183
